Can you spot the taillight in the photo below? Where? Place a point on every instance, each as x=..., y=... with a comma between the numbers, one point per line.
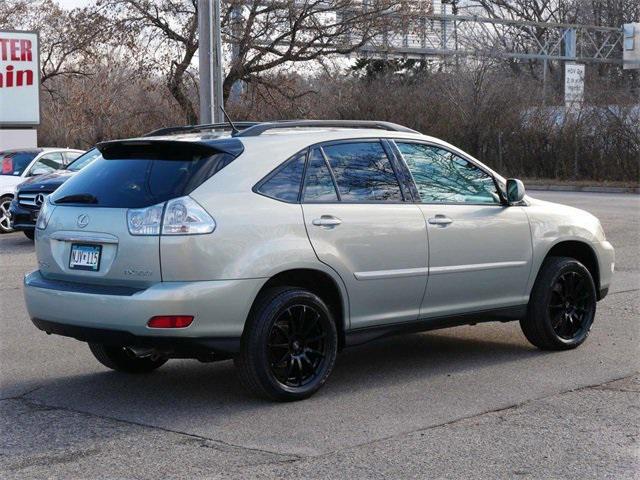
x=170, y=321
x=182, y=216
x=44, y=215
x=7, y=165
x=145, y=221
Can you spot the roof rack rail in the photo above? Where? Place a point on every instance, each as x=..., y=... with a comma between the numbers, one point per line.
x=199, y=128
x=260, y=128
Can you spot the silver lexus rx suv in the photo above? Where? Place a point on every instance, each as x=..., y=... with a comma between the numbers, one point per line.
x=281, y=243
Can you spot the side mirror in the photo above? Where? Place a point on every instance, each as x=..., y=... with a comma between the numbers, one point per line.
x=515, y=191
x=38, y=171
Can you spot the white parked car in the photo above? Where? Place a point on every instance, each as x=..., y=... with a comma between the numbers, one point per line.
x=18, y=165
x=281, y=244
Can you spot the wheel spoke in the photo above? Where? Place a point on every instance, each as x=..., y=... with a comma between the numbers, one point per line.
x=313, y=323
x=315, y=352
x=296, y=329
x=316, y=338
x=282, y=330
x=299, y=371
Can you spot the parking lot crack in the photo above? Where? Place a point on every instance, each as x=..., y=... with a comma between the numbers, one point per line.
x=223, y=444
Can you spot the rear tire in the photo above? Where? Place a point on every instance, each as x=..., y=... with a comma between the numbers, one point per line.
x=122, y=360
x=562, y=305
x=289, y=345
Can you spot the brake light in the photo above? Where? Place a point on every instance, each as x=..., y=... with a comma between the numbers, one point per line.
x=170, y=321
x=179, y=216
x=183, y=216
x=7, y=165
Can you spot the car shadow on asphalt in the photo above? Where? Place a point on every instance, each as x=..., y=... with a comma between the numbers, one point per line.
x=382, y=364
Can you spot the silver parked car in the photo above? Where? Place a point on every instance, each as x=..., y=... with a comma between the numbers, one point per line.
x=280, y=244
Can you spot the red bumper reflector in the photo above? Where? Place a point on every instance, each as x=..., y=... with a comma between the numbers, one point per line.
x=170, y=321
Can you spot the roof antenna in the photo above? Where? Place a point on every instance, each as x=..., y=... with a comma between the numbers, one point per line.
x=234, y=130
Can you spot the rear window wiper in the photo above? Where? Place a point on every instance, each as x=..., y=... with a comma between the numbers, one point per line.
x=78, y=198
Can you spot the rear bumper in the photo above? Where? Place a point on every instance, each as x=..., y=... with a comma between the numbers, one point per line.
x=114, y=314
x=180, y=345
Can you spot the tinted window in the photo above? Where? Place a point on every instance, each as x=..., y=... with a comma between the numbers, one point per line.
x=84, y=160
x=14, y=163
x=47, y=163
x=319, y=185
x=363, y=172
x=139, y=182
x=284, y=184
x=443, y=177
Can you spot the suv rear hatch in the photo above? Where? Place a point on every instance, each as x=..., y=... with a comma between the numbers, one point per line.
x=96, y=225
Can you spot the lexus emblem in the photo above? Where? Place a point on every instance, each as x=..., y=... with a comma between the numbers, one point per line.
x=83, y=220
x=40, y=198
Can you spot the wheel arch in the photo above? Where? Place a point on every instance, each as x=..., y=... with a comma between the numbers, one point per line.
x=579, y=250
x=319, y=282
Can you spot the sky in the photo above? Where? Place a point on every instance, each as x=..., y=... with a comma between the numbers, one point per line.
x=73, y=3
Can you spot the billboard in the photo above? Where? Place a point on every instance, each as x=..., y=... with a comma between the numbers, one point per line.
x=19, y=79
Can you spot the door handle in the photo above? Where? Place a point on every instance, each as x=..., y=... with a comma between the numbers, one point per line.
x=326, y=221
x=440, y=220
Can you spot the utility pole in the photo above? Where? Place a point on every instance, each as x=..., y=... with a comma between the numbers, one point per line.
x=210, y=56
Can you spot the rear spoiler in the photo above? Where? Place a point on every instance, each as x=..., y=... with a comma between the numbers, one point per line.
x=168, y=149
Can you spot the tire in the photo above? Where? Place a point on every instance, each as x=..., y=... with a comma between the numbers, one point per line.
x=562, y=305
x=5, y=223
x=289, y=345
x=30, y=234
x=122, y=360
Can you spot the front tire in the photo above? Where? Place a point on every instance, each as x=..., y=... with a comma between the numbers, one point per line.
x=30, y=234
x=5, y=222
x=562, y=305
x=122, y=359
x=289, y=346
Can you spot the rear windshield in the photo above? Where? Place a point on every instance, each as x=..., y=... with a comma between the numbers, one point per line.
x=14, y=163
x=138, y=182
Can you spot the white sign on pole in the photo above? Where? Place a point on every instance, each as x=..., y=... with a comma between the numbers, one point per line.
x=19, y=79
x=573, y=84
x=631, y=46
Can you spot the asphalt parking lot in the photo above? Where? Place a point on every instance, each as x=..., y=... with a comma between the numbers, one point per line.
x=470, y=402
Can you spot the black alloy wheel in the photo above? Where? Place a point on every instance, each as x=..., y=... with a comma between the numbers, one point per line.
x=289, y=345
x=562, y=305
x=570, y=305
x=297, y=345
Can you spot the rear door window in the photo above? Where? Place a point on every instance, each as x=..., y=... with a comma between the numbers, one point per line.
x=140, y=181
x=14, y=163
x=319, y=186
x=363, y=172
x=47, y=163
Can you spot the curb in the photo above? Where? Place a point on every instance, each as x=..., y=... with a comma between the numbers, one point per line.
x=578, y=188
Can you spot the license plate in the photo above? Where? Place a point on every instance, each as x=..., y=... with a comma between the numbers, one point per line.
x=85, y=257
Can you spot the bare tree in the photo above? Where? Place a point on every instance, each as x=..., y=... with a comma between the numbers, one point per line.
x=67, y=38
x=261, y=35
